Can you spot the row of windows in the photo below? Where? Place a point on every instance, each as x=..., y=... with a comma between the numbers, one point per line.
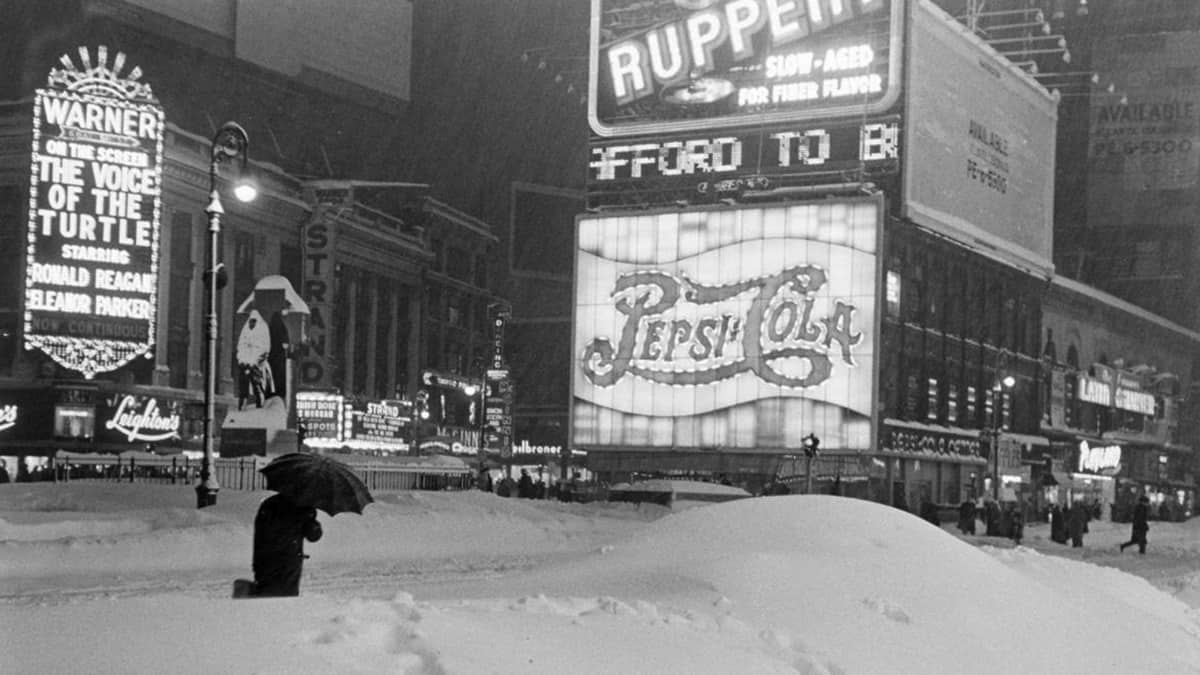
x=933, y=288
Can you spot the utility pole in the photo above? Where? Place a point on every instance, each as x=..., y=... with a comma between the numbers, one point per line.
x=812, y=446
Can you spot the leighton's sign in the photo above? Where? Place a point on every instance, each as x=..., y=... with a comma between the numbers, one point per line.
x=95, y=199
x=694, y=64
x=139, y=418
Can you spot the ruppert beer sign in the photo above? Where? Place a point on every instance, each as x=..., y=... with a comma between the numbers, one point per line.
x=95, y=197
x=686, y=65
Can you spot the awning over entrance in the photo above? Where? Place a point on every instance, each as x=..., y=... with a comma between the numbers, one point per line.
x=1055, y=478
x=1026, y=439
x=698, y=462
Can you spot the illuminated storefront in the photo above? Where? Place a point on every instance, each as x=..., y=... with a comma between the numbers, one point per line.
x=96, y=416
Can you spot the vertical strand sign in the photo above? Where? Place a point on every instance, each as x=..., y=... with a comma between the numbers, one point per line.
x=95, y=198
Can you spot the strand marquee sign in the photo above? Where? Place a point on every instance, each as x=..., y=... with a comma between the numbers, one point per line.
x=692, y=65
x=95, y=198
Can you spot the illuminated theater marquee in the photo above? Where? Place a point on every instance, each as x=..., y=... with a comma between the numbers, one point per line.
x=95, y=201
x=695, y=64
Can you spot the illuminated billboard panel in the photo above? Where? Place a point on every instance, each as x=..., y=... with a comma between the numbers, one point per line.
x=979, y=159
x=95, y=197
x=686, y=65
x=740, y=328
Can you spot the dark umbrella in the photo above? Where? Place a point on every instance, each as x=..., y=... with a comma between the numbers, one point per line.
x=318, y=482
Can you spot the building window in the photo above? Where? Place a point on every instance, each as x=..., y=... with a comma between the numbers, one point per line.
x=291, y=265
x=931, y=399
x=339, y=321
x=363, y=303
x=954, y=301
x=971, y=407
x=912, y=396
x=481, y=271
x=458, y=263
x=383, y=330
x=179, y=306
x=403, y=326
x=952, y=403
x=893, y=293
x=456, y=310
x=74, y=421
x=243, y=266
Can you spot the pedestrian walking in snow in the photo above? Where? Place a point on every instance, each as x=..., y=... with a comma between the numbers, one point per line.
x=525, y=485
x=280, y=529
x=992, y=518
x=1058, y=524
x=1016, y=520
x=966, y=517
x=1077, y=519
x=929, y=511
x=1141, y=525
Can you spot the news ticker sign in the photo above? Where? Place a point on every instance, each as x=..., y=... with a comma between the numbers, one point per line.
x=781, y=150
x=703, y=64
x=95, y=198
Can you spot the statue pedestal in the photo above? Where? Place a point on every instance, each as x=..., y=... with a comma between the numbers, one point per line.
x=270, y=420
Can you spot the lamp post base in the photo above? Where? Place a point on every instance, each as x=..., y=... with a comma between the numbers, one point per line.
x=206, y=495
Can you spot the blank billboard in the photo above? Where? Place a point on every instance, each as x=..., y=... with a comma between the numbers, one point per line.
x=979, y=157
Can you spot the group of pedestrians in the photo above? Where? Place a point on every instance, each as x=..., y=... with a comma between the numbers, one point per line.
x=1008, y=521
x=1069, y=524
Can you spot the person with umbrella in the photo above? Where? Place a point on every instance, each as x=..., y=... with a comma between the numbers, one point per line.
x=280, y=529
x=305, y=482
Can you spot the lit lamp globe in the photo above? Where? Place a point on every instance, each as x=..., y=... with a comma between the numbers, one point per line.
x=245, y=191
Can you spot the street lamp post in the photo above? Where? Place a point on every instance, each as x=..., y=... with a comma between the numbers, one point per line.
x=481, y=422
x=1003, y=382
x=420, y=414
x=230, y=142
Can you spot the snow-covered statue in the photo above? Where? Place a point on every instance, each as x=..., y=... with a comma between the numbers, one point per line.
x=256, y=380
x=272, y=329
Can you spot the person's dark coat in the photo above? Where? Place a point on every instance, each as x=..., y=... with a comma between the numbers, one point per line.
x=525, y=486
x=1058, y=525
x=929, y=512
x=1077, y=519
x=1141, y=525
x=280, y=529
x=966, y=517
x=991, y=518
x=504, y=488
x=1141, y=517
x=1016, y=520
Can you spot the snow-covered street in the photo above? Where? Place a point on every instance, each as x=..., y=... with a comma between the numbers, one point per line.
x=112, y=578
